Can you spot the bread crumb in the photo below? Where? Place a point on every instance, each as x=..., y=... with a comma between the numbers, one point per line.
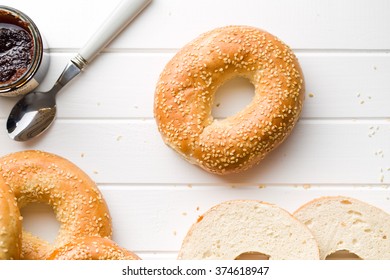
x=372, y=131
x=197, y=208
x=261, y=186
x=82, y=154
x=174, y=233
x=311, y=95
x=184, y=213
x=306, y=186
x=345, y=201
x=119, y=138
x=95, y=172
x=362, y=98
x=379, y=153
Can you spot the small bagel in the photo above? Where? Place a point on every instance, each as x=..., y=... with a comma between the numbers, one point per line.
x=343, y=223
x=35, y=176
x=92, y=248
x=185, y=92
x=236, y=227
x=10, y=224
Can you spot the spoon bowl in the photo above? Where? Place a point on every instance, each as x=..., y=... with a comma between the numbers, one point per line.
x=36, y=111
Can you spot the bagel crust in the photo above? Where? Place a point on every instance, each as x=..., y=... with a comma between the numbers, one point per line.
x=10, y=224
x=185, y=93
x=92, y=248
x=35, y=176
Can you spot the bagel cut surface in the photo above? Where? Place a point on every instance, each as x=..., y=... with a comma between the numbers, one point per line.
x=236, y=227
x=185, y=93
x=344, y=223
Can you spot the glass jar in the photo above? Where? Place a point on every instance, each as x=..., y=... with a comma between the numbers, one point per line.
x=24, y=55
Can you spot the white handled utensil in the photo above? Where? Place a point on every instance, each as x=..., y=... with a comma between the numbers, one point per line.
x=34, y=113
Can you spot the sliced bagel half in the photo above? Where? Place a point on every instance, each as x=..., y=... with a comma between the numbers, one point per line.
x=346, y=224
x=237, y=227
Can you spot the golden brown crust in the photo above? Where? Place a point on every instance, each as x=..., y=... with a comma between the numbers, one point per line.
x=92, y=248
x=33, y=247
x=185, y=92
x=10, y=224
x=36, y=176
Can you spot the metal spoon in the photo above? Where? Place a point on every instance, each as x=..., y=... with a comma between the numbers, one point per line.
x=34, y=113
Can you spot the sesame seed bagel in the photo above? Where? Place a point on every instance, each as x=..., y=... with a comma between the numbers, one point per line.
x=233, y=228
x=10, y=224
x=92, y=248
x=186, y=88
x=36, y=176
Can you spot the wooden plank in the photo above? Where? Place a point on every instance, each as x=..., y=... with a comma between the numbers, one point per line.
x=303, y=24
x=153, y=221
x=132, y=151
x=121, y=85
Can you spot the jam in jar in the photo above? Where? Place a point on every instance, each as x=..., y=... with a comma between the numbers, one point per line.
x=24, y=57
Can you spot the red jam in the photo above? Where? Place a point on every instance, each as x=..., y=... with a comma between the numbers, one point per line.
x=16, y=51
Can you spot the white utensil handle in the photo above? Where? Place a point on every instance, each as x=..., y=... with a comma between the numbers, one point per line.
x=123, y=14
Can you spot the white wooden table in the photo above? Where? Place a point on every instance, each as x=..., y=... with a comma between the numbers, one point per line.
x=341, y=145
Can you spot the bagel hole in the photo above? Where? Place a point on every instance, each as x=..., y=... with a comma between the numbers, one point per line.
x=232, y=97
x=40, y=220
x=343, y=255
x=252, y=256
